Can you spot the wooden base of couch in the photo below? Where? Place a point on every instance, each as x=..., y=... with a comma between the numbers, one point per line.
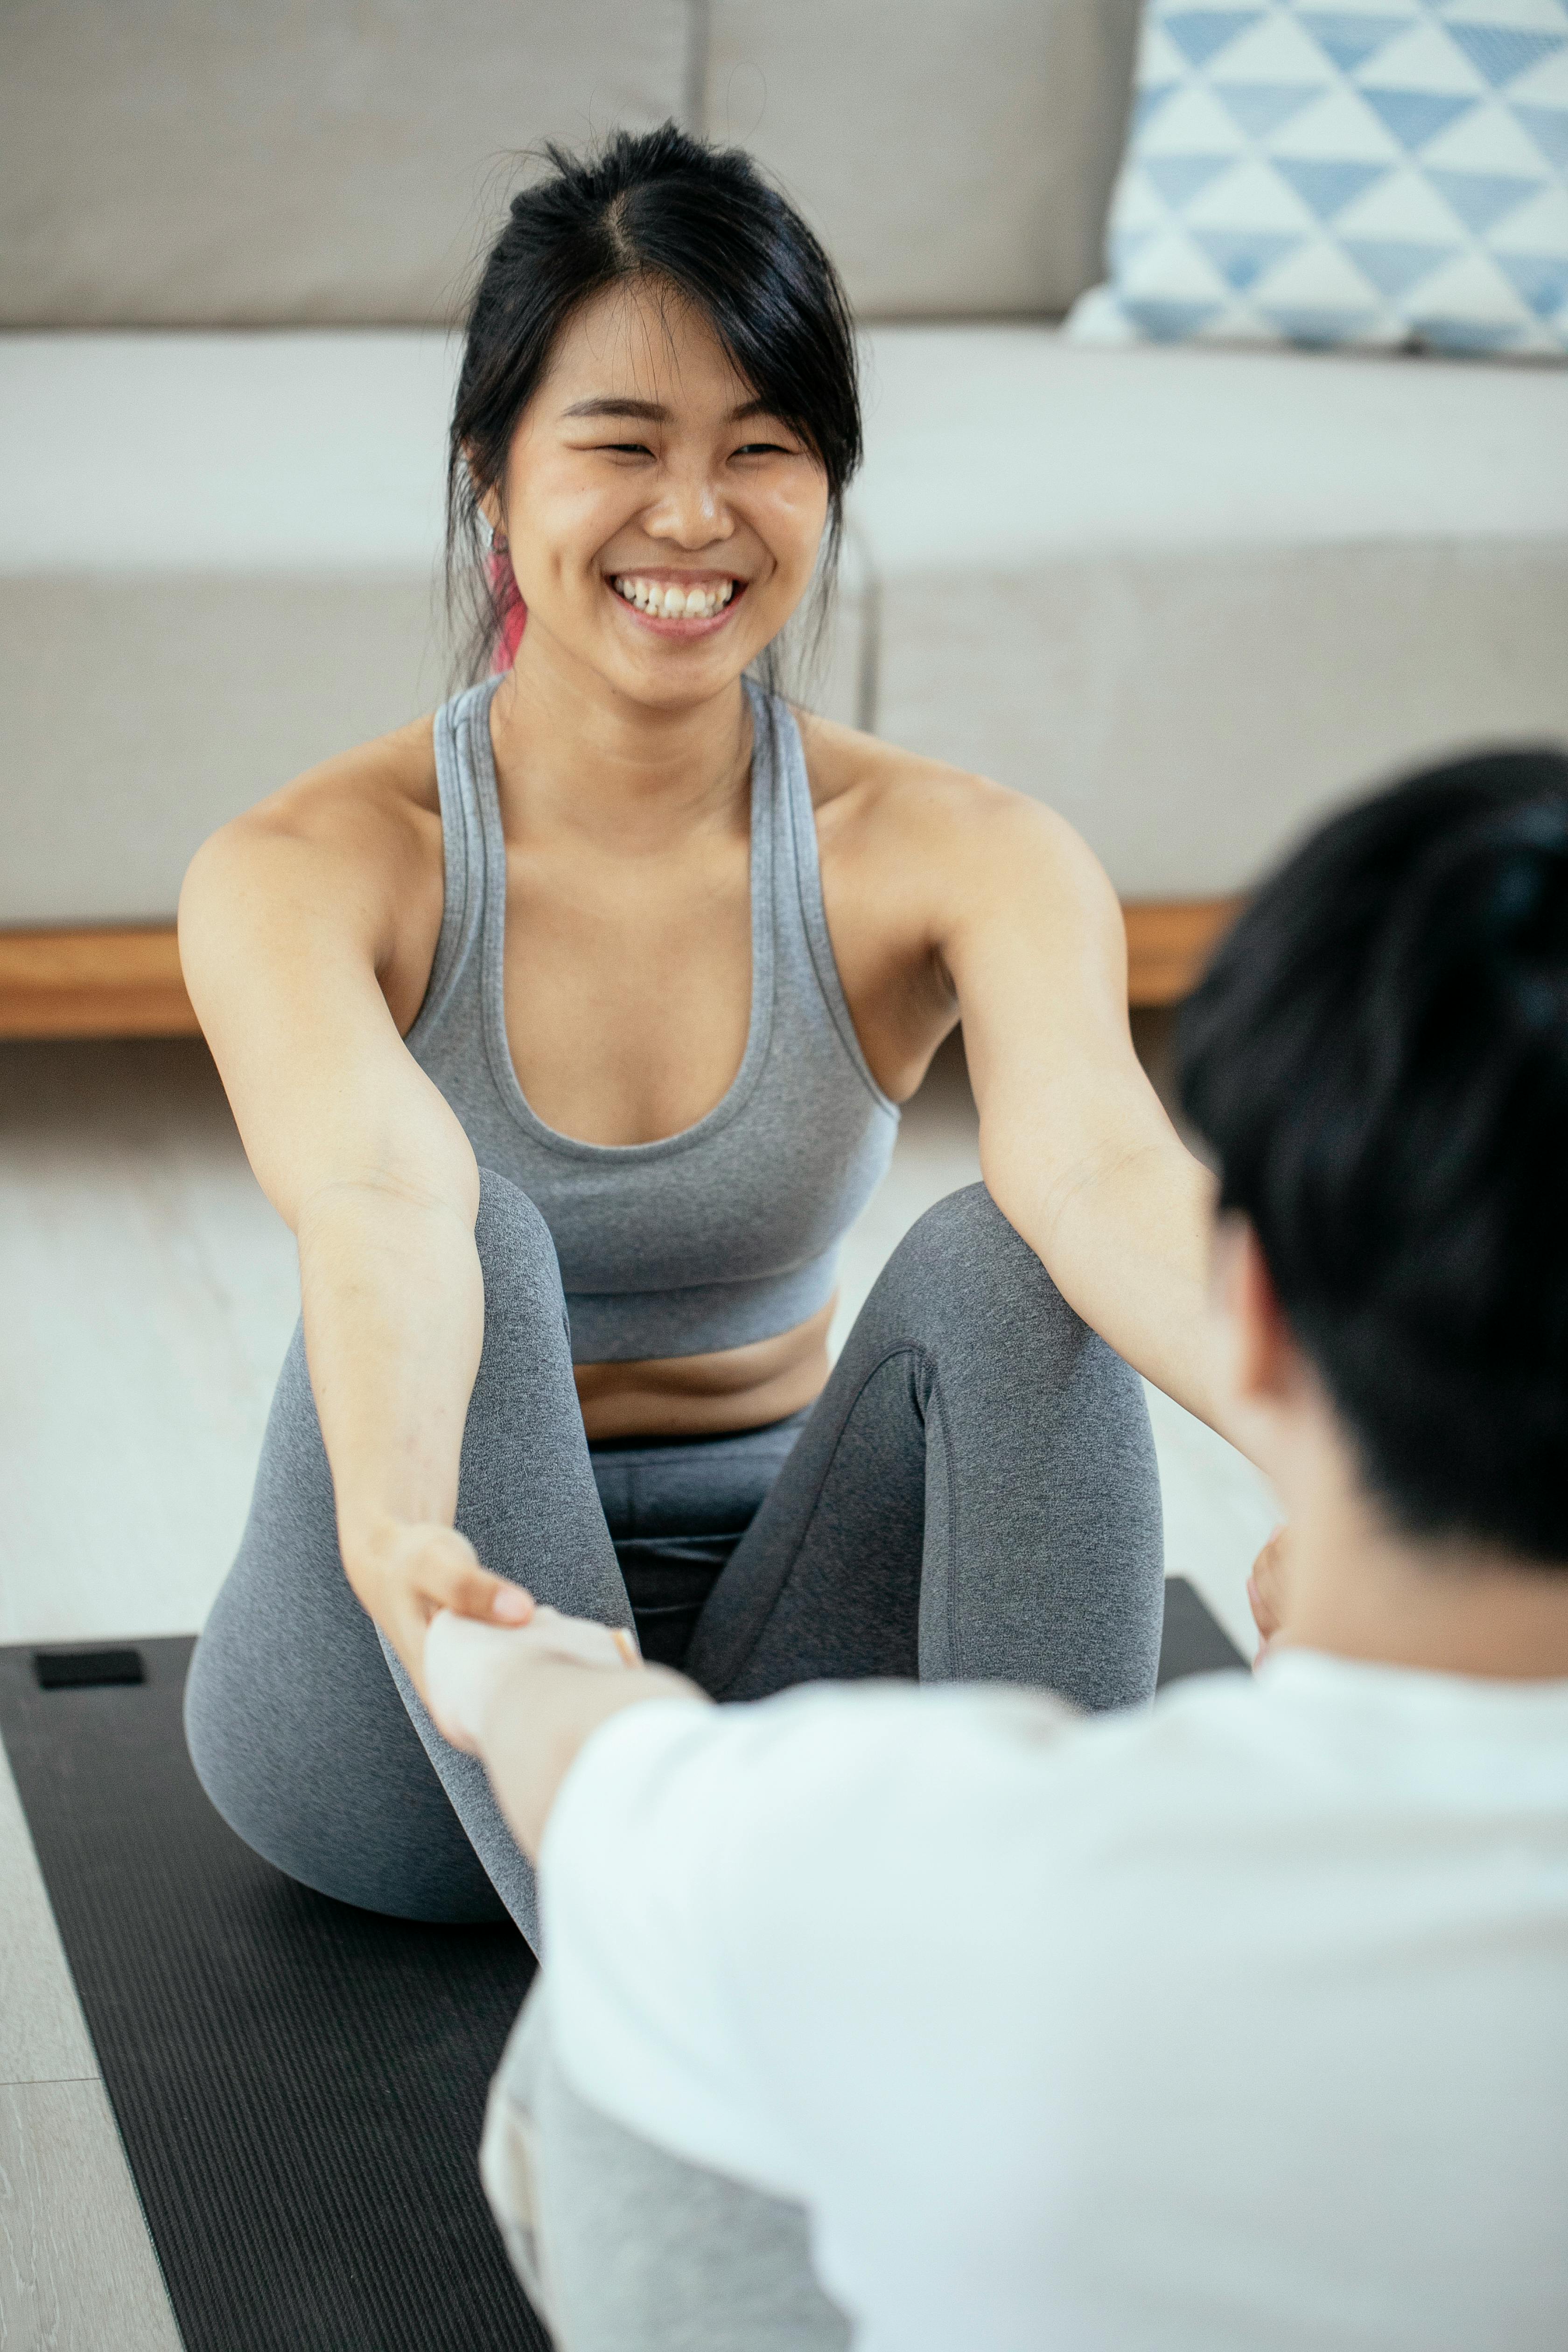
x=126, y=982
x=98, y=983
x=1169, y=940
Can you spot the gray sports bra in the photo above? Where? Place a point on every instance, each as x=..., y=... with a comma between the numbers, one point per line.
x=728, y=1231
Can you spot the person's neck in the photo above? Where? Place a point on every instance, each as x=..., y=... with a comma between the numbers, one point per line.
x=1362, y=1588
x=575, y=755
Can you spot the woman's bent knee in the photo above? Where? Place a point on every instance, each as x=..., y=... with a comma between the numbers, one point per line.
x=963, y=1266
x=327, y=1779
x=512, y=1239
x=293, y=1723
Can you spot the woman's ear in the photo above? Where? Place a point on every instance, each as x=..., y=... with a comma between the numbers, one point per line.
x=487, y=496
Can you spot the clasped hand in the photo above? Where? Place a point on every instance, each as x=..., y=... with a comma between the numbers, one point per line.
x=466, y=1662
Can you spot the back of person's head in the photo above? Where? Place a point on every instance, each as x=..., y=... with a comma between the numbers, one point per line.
x=698, y=220
x=1378, y=1058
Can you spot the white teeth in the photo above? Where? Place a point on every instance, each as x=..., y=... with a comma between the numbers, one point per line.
x=672, y=602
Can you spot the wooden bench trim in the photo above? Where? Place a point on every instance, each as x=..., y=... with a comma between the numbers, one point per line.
x=118, y=982
x=125, y=981
x=1169, y=940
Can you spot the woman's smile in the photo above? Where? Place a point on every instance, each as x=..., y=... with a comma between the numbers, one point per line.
x=672, y=602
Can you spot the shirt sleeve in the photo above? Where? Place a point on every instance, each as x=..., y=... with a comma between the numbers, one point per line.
x=738, y=1901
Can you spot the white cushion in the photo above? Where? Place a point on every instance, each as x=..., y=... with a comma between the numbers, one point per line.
x=1385, y=175
x=304, y=452
x=1190, y=597
x=956, y=155
x=1193, y=597
x=251, y=162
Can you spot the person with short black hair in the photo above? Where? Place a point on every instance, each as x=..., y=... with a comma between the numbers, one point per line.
x=1378, y=1058
x=1240, y=2024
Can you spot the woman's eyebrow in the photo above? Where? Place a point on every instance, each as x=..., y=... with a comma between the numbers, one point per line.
x=653, y=412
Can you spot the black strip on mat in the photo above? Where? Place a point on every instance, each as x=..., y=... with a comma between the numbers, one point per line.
x=74, y=1669
x=300, y=2086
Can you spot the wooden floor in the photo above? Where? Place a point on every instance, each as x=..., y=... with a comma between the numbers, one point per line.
x=149, y=1292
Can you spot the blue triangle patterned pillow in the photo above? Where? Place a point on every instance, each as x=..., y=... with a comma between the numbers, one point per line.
x=1385, y=172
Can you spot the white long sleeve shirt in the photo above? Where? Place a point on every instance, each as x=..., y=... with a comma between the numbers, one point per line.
x=1239, y=2023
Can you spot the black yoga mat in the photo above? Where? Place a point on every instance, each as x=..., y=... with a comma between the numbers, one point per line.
x=1194, y=1642
x=300, y=2086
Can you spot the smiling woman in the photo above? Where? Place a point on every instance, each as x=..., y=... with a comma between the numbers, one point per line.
x=728, y=249
x=567, y=1028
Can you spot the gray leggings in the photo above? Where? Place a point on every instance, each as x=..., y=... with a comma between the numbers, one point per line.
x=974, y=1495
x=623, y=2247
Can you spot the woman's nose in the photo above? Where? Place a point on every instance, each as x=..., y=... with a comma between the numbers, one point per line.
x=690, y=510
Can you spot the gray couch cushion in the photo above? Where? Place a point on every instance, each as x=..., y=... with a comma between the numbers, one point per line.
x=250, y=162
x=956, y=155
x=257, y=163
x=149, y=707
x=1192, y=598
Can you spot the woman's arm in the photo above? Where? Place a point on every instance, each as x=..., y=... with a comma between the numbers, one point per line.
x=287, y=921
x=1074, y=1145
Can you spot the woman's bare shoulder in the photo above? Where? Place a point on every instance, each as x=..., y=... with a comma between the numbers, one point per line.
x=347, y=856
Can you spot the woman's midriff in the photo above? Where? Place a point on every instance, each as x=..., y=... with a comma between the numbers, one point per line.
x=707, y=1396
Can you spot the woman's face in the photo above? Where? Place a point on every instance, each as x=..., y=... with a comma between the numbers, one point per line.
x=663, y=525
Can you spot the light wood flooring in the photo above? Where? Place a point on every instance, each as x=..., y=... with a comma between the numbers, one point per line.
x=78, y=2273
x=149, y=1294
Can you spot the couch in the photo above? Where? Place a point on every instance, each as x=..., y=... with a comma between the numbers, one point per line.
x=1189, y=597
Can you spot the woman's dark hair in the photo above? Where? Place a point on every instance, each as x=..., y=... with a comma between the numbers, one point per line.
x=699, y=219
x=1378, y=1056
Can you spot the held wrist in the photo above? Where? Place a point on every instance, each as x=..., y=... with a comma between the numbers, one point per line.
x=368, y=1540
x=382, y=1551
x=374, y=1532
x=475, y=1674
